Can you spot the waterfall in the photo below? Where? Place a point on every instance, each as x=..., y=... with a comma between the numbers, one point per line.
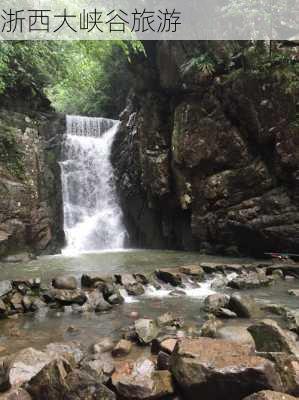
x=92, y=215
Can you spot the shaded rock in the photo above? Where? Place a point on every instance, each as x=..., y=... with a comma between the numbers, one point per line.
x=105, y=344
x=82, y=386
x=169, y=275
x=97, y=301
x=146, y=330
x=93, y=281
x=116, y=298
x=16, y=394
x=16, y=301
x=136, y=289
x=194, y=271
x=65, y=282
x=270, y=337
x=122, y=348
x=142, y=278
x=141, y=382
x=49, y=383
x=3, y=309
x=288, y=368
x=292, y=317
x=5, y=287
x=238, y=334
x=66, y=297
x=250, y=281
x=100, y=368
x=163, y=361
x=168, y=345
x=269, y=395
x=215, y=301
x=243, y=306
x=219, y=370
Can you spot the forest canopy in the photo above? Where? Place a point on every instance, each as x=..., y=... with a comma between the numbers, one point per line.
x=83, y=77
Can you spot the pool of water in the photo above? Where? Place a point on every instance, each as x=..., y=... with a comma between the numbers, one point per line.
x=46, y=326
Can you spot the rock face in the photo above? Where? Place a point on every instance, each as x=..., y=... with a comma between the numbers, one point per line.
x=269, y=395
x=30, y=187
x=213, y=161
x=219, y=370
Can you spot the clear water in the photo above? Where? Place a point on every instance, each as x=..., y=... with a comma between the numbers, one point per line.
x=39, y=329
x=92, y=216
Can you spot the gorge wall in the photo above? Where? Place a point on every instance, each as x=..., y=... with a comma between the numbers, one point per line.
x=30, y=185
x=208, y=161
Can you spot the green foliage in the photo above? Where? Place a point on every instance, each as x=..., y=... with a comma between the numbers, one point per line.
x=203, y=64
x=10, y=153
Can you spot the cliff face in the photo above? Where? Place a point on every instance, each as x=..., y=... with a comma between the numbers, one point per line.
x=208, y=162
x=30, y=192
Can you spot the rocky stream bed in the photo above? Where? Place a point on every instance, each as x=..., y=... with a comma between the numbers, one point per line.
x=205, y=330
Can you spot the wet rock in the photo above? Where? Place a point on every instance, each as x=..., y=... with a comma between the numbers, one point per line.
x=288, y=368
x=169, y=275
x=219, y=282
x=17, y=302
x=122, y=348
x=136, y=289
x=238, y=334
x=244, y=306
x=292, y=317
x=93, y=281
x=219, y=370
x=250, y=281
x=65, y=282
x=5, y=288
x=97, y=302
x=215, y=301
x=49, y=382
x=101, y=368
x=16, y=394
x=129, y=333
x=276, y=309
x=82, y=386
x=169, y=319
x=163, y=361
x=146, y=330
x=115, y=298
x=142, y=278
x=210, y=327
x=103, y=345
x=294, y=292
x=225, y=313
x=270, y=337
x=156, y=343
x=22, y=366
x=269, y=395
x=66, y=297
x=71, y=351
x=140, y=381
x=194, y=271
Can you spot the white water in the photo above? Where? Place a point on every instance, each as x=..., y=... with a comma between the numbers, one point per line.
x=92, y=216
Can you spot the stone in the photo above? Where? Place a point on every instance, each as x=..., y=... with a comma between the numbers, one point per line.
x=219, y=370
x=122, y=348
x=287, y=367
x=3, y=309
x=142, y=278
x=16, y=394
x=215, y=301
x=66, y=297
x=93, y=281
x=65, y=282
x=238, y=334
x=166, y=319
x=294, y=292
x=5, y=288
x=146, y=330
x=101, y=368
x=169, y=275
x=168, y=345
x=225, y=313
x=140, y=381
x=163, y=361
x=210, y=327
x=250, y=281
x=243, y=306
x=269, y=395
x=97, y=302
x=270, y=337
x=276, y=309
x=79, y=385
x=23, y=366
x=71, y=351
x=292, y=317
x=194, y=271
x=49, y=383
x=116, y=298
x=16, y=301
x=103, y=345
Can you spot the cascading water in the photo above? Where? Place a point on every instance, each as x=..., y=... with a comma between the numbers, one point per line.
x=92, y=216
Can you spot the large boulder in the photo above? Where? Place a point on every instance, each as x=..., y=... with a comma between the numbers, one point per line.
x=66, y=297
x=270, y=337
x=146, y=330
x=193, y=271
x=214, y=302
x=220, y=370
x=244, y=306
x=269, y=395
x=238, y=334
x=65, y=282
x=140, y=381
x=250, y=281
x=169, y=275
